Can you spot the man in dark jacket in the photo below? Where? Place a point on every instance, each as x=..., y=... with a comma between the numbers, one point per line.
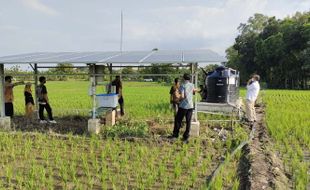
x=44, y=102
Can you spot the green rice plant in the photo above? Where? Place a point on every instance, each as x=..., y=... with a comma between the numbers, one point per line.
x=9, y=175
x=19, y=179
x=108, y=162
x=193, y=177
x=72, y=171
x=287, y=121
x=45, y=155
x=64, y=173
x=103, y=176
x=235, y=185
x=50, y=179
x=41, y=173
x=31, y=182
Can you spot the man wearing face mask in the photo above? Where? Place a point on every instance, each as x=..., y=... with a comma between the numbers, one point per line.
x=44, y=102
x=253, y=88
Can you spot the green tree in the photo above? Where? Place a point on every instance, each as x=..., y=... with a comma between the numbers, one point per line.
x=278, y=50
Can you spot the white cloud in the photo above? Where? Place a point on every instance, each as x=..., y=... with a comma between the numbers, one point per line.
x=215, y=27
x=39, y=6
x=95, y=25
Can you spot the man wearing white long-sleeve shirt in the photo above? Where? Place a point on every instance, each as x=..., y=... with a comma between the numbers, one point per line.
x=251, y=96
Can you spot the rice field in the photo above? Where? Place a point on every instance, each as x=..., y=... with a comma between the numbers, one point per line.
x=108, y=161
x=288, y=121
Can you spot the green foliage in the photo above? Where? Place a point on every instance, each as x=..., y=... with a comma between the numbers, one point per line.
x=136, y=129
x=275, y=49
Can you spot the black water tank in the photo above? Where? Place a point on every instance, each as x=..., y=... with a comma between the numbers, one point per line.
x=223, y=86
x=217, y=86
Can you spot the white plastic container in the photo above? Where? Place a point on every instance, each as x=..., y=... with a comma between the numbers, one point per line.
x=107, y=100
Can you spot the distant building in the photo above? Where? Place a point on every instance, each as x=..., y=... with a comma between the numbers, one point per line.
x=148, y=80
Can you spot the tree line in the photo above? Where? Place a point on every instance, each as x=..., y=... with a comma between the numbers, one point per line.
x=276, y=49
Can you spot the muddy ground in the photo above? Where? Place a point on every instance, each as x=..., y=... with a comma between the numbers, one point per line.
x=259, y=167
x=76, y=125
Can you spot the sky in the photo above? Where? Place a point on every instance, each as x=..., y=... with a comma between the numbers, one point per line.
x=94, y=25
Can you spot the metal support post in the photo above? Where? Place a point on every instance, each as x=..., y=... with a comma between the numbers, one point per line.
x=93, y=88
x=35, y=70
x=192, y=71
x=2, y=90
x=196, y=96
x=110, y=70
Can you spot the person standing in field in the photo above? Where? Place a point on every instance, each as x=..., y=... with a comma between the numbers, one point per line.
x=9, y=96
x=175, y=95
x=44, y=102
x=29, y=103
x=119, y=90
x=251, y=96
x=186, y=106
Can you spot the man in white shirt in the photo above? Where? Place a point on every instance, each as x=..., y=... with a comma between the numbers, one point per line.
x=251, y=96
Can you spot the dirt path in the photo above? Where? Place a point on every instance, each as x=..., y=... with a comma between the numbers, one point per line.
x=265, y=168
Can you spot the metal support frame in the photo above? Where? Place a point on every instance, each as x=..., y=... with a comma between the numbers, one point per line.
x=35, y=70
x=196, y=96
x=93, y=88
x=102, y=74
x=110, y=70
x=2, y=90
x=92, y=74
x=194, y=75
x=51, y=67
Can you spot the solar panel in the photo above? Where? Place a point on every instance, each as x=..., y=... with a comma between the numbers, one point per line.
x=129, y=57
x=202, y=55
x=160, y=56
x=93, y=57
x=165, y=57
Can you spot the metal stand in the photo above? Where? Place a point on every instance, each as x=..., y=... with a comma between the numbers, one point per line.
x=219, y=108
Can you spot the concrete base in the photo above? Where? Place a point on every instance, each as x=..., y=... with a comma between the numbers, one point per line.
x=110, y=118
x=195, y=127
x=118, y=113
x=5, y=123
x=94, y=126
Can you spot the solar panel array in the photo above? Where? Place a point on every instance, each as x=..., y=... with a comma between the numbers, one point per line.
x=160, y=56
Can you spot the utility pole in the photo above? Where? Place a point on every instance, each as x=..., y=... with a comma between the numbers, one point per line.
x=121, y=42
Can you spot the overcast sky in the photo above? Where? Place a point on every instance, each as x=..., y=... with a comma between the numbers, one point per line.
x=94, y=25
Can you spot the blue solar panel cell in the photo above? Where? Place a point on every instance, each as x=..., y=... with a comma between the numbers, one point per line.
x=160, y=56
x=165, y=57
x=202, y=56
x=129, y=57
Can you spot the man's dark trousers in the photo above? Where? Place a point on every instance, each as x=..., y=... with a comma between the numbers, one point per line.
x=48, y=110
x=9, y=109
x=121, y=103
x=178, y=122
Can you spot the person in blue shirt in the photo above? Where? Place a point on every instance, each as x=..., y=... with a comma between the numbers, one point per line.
x=186, y=107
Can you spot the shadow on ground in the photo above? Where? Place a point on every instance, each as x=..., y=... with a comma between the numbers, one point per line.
x=77, y=125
